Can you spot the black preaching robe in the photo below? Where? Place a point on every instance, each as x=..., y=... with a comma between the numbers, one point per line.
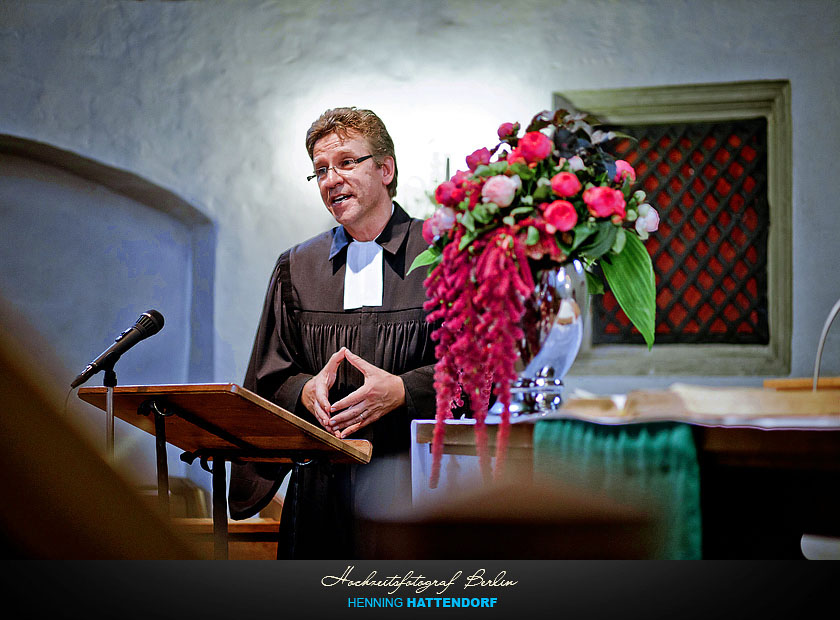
x=303, y=323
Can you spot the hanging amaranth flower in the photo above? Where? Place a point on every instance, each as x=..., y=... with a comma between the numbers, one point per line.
x=478, y=298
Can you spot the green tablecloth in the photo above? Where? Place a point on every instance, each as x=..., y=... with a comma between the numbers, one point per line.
x=655, y=464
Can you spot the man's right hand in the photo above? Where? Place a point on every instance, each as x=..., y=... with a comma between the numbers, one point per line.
x=315, y=393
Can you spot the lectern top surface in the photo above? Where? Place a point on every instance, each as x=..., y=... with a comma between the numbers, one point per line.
x=225, y=416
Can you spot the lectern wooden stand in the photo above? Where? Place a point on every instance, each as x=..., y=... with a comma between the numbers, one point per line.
x=216, y=423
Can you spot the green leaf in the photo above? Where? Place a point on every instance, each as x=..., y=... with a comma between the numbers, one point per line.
x=521, y=210
x=543, y=193
x=594, y=285
x=431, y=256
x=466, y=240
x=627, y=136
x=533, y=236
x=498, y=167
x=481, y=213
x=602, y=241
x=620, y=240
x=582, y=232
x=509, y=220
x=466, y=219
x=630, y=276
x=523, y=171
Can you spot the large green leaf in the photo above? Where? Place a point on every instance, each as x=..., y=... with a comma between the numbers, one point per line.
x=630, y=276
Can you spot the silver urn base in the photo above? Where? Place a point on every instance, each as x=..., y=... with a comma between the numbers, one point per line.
x=540, y=396
x=553, y=328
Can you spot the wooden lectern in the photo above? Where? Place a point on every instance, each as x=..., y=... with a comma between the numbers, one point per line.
x=216, y=423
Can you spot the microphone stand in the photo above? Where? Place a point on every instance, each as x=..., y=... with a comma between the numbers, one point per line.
x=110, y=382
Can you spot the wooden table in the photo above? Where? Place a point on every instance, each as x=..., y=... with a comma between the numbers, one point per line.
x=761, y=488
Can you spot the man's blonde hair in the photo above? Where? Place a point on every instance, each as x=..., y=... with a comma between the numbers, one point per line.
x=343, y=121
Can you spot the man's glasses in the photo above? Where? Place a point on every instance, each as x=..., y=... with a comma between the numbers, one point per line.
x=346, y=165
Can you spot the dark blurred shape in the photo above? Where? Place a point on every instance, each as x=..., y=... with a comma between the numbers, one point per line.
x=61, y=500
x=537, y=521
x=187, y=500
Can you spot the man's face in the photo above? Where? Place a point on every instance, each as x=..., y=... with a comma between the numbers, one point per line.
x=356, y=197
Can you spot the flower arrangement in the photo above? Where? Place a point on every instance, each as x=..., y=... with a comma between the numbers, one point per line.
x=545, y=198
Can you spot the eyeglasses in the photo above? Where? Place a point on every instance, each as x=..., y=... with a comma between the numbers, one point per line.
x=346, y=165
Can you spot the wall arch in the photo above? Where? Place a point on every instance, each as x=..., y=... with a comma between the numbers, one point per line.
x=86, y=248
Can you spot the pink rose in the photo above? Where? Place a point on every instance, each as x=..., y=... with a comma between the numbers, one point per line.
x=604, y=201
x=534, y=146
x=565, y=184
x=623, y=170
x=441, y=221
x=501, y=189
x=508, y=130
x=478, y=158
x=449, y=194
x=560, y=215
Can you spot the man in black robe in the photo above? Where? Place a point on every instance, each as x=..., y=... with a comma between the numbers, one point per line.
x=343, y=340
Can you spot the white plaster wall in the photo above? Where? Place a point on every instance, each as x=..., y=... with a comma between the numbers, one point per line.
x=211, y=100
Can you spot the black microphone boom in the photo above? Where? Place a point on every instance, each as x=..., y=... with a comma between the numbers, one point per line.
x=149, y=323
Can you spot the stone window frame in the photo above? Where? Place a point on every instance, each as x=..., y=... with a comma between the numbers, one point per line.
x=770, y=99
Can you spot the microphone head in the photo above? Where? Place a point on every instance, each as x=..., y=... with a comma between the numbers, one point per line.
x=149, y=323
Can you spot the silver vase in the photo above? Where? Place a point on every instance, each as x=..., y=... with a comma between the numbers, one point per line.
x=553, y=328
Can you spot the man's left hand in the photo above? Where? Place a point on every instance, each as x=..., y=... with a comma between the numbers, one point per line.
x=381, y=393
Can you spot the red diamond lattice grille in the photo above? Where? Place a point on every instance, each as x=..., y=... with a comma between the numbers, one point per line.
x=709, y=183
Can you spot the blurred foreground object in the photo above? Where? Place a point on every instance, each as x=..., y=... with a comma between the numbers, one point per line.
x=61, y=500
x=514, y=520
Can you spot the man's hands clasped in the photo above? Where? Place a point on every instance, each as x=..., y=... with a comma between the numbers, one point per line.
x=380, y=394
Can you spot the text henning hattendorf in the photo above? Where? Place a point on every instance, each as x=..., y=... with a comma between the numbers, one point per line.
x=420, y=582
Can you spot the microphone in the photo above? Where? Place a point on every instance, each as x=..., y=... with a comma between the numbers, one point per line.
x=149, y=323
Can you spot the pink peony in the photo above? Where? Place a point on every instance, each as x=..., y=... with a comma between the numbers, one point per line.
x=449, y=194
x=648, y=220
x=478, y=158
x=501, y=189
x=604, y=201
x=623, y=170
x=508, y=130
x=429, y=235
x=534, y=146
x=560, y=215
x=441, y=221
x=565, y=184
